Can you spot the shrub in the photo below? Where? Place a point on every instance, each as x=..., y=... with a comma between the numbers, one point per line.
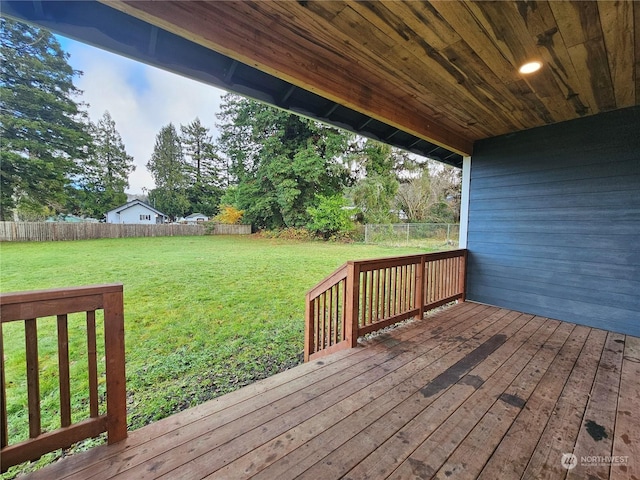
x=330, y=217
x=229, y=215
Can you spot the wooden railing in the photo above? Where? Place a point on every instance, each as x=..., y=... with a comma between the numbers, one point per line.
x=28, y=307
x=364, y=296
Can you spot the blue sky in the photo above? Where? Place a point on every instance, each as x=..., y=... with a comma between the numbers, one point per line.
x=141, y=99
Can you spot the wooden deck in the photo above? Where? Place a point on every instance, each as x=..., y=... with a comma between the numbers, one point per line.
x=470, y=392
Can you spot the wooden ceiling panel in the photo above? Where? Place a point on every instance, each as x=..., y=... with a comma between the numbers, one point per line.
x=445, y=71
x=617, y=22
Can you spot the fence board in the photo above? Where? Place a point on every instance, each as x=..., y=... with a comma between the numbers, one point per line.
x=58, y=231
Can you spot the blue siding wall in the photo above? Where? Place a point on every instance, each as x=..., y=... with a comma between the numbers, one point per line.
x=554, y=221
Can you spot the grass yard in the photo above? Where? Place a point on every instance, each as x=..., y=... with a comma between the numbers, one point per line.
x=203, y=315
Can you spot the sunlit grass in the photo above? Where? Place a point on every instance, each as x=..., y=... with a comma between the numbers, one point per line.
x=203, y=315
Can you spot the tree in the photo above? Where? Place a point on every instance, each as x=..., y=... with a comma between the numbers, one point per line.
x=374, y=194
x=434, y=196
x=44, y=131
x=280, y=161
x=106, y=172
x=168, y=169
x=202, y=168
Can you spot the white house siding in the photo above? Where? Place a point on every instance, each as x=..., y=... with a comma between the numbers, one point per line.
x=133, y=214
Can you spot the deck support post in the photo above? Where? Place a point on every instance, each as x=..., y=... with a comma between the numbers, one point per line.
x=309, y=327
x=353, y=293
x=462, y=276
x=115, y=367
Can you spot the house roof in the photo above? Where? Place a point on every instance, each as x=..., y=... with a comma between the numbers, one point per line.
x=133, y=203
x=429, y=76
x=196, y=215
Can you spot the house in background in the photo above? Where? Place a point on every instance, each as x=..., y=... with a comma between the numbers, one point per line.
x=136, y=212
x=194, y=219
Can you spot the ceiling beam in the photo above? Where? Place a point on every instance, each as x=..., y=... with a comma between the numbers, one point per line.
x=257, y=46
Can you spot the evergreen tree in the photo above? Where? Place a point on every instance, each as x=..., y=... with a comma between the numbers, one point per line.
x=374, y=194
x=281, y=162
x=202, y=163
x=43, y=131
x=169, y=172
x=106, y=172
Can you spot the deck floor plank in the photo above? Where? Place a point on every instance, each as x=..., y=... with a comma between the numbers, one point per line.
x=404, y=442
x=471, y=391
x=512, y=456
x=262, y=422
x=626, y=443
x=595, y=438
x=374, y=396
x=331, y=451
x=474, y=451
x=562, y=426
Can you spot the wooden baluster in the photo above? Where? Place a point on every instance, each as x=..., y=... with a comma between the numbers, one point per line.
x=323, y=320
x=33, y=376
x=420, y=286
x=378, y=304
x=338, y=320
x=4, y=431
x=371, y=295
x=331, y=318
x=364, y=311
x=92, y=360
x=63, y=369
x=344, y=309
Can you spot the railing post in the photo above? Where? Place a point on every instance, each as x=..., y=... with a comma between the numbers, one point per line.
x=420, y=280
x=309, y=327
x=462, y=276
x=115, y=367
x=353, y=295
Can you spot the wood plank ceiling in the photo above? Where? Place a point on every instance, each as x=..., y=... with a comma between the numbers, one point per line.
x=444, y=71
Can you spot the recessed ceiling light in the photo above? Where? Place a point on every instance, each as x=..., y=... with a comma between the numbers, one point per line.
x=530, y=67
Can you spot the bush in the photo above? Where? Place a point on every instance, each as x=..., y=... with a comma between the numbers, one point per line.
x=290, y=233
x=229, y=215
x=330, y=217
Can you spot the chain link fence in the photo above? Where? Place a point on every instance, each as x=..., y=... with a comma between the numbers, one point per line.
x=429, y=235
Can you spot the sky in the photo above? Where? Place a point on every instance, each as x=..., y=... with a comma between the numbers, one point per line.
x=141, y=99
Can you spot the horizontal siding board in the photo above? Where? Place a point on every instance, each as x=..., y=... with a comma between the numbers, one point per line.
x=558, y=227
x=603, y=241
x=554, y=221
x=583, y=174
x=536, y=252
x=613, y=184
x=562, y=290
x=512, y=201
x=547, y=145
x=613, y=214
x=564, y=268
x=605, y=318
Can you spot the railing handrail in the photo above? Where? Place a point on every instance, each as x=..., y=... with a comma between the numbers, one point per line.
x=338, y=274
x=28, y=296
x=31, y=306
x=404, y=286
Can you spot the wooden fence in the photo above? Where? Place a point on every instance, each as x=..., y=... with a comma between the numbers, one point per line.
x=222, y=229
x=53, y=231
x=31, y=308
x=364, y=296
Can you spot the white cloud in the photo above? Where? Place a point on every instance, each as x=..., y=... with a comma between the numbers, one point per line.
x=141, y=99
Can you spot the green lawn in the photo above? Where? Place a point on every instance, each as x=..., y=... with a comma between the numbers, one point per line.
x=204, y=315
